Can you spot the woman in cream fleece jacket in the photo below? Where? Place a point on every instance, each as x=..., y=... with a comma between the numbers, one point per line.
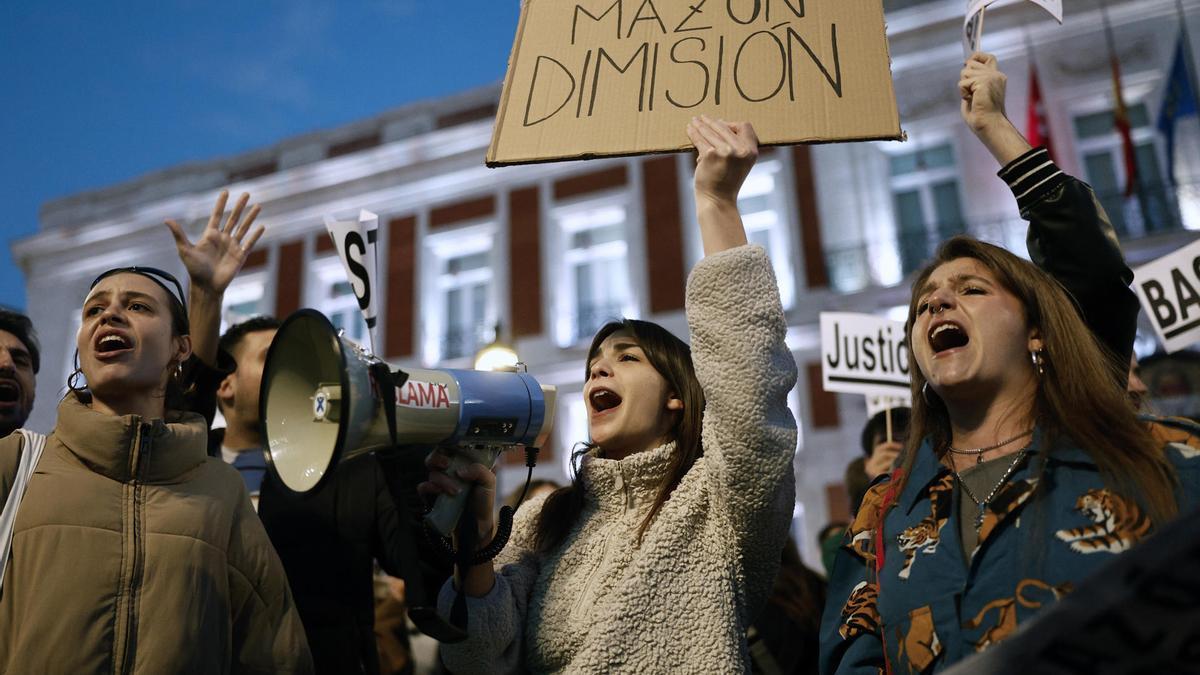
x=654, y=573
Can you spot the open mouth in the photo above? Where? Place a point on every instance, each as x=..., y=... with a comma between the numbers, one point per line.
x=109, y=344
x=9, y=392
x=947, y=335
x=603, y=399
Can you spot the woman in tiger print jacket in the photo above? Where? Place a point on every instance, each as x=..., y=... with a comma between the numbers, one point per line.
x=1014, y=407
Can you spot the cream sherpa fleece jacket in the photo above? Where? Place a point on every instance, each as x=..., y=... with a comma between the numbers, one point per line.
x=682, y=600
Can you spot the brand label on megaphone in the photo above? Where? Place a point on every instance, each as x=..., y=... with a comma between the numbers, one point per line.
x=425, y=395
x=355, y=244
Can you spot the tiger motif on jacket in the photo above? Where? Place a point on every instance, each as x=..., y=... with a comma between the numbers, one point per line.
x=1119, y=524
x=925, y=535
x=860, y=615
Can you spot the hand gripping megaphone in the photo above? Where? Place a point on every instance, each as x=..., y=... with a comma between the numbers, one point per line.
x=324, y=399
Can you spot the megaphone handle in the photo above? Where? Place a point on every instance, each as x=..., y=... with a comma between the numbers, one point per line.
x=447, y=508
x=468, y=537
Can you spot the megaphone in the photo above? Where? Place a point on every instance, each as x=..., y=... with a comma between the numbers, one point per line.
x=325, y=399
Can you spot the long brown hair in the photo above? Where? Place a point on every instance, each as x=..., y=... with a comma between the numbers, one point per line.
x=1076, y=397
x=672, y=358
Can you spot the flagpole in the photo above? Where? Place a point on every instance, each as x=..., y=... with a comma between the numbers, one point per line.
x=1108, y=34
x=1133, y=182
x=1189, y=63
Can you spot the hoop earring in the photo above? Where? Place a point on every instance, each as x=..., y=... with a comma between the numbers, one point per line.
x=73, y=378
x=1038, y=361
x=925, y=394
x=73, y=381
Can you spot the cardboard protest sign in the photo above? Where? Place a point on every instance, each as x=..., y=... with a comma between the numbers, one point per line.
x=1170, y=292
x=590, y=78
x=355, y=244
x=863, y=354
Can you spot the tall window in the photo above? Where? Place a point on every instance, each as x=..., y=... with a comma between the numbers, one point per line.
x=331, y=294
x=925, y=194
x=763, y=213
x=245, y=298
x=1150, y=209
x=460, y=295
x=593, y=272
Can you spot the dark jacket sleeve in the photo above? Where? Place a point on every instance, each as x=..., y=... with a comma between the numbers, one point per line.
x=400, y=545
x=1071, y=238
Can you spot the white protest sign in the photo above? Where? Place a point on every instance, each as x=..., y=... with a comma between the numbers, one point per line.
x=973, y=22
x=863, y=354
x=973, y=26
x=355, y=244
x=1170, y=292
x=1052, y=6
x=877, y=404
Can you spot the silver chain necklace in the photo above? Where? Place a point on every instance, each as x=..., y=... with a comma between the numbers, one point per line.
x=982, y=505
x=978, y=452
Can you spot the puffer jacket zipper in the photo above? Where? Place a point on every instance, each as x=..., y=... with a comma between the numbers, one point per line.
x=132, y=552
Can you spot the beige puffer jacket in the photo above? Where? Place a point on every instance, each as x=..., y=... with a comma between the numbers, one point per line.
x=134, y=552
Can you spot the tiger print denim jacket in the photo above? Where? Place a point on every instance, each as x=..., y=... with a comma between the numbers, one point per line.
x=925, y=608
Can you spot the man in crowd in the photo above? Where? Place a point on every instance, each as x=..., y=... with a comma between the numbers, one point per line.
x=20, y=361
x=241, y=442
x=328, y=539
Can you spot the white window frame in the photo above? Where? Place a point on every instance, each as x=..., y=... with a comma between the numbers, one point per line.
x=922, y=181
x=765, y=179
x=246, y=287
x=564, y=260
x=439, y=248
x=1110, y=144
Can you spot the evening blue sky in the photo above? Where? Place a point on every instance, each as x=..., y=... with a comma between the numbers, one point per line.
x=96, y=93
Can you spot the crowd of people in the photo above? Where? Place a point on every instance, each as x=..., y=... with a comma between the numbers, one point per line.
x=138, y=538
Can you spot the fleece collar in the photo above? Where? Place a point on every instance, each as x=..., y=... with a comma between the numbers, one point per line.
x=631, y=482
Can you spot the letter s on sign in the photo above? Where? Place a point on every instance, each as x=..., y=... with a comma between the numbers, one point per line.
x=354, y=258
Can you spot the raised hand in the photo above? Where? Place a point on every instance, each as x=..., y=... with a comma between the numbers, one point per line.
x=727, y=152
x=981, y=86
x=883, y=459
x=216, y=258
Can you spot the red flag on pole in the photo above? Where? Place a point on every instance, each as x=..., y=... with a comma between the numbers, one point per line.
x=1037, y=132
x=1121, y=122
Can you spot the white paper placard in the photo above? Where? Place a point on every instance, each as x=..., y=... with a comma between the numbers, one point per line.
x=863, y=354
x=1169, y=289
x=355, y=244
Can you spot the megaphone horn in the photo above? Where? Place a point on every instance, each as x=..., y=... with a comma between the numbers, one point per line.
x=320, y=404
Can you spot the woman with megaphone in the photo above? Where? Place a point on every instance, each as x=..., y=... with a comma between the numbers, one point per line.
x=659, y=554
x=131, y=549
